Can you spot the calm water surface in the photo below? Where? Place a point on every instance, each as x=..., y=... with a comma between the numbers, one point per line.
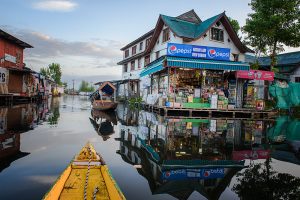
x=150, y=157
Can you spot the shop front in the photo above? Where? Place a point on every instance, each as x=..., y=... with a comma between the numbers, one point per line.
x=192, y=76
x=254, y=87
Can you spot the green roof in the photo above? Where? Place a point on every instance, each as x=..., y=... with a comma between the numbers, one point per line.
x=188, y=29
x=287, y=59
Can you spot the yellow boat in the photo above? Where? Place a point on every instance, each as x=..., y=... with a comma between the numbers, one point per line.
x=87, y=177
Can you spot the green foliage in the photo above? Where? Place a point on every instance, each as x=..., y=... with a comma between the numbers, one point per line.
x=53, y=71
x=235, y=24
x=135, y=100
x=260, y=181
x=86, y=87
x=273, y=23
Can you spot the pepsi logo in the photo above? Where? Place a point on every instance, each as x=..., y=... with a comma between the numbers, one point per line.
x=172, y=49
x=212, y=53
x=167, y=174
x=206, y=173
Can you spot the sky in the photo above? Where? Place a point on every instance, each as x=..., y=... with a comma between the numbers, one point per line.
x=85, y=36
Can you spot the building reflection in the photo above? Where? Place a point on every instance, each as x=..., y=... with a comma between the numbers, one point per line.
x=180, y=156
x=13, y=122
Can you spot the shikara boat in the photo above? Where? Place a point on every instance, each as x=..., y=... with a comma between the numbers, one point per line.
x=87, y=177
x=104, y=105
x=106, y=98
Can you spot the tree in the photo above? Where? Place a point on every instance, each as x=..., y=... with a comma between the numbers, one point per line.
x=85, y=87
x=273, y=24
x=260, y=181
x=53, y=71
x=235, y=24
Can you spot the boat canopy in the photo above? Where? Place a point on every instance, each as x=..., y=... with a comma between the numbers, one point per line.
x=107, y=88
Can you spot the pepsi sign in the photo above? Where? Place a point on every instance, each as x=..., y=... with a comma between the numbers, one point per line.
x=193, y=51
x=183, y=174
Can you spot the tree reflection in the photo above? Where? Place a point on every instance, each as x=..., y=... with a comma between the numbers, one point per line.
x=54, y=109
x=260, y=181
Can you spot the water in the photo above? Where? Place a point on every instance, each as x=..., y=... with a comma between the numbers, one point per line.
x=147, y=154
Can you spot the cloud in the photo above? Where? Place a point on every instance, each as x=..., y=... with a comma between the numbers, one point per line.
x=55, y=5
x=77, y=58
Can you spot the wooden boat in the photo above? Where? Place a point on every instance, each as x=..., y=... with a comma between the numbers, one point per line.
x=104, y=105
x=87, y=177
x=106, y=98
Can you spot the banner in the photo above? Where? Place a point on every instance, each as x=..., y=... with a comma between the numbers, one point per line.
x=3, y=75
x=182, y=174
x=256, y=75
x=193, y=51
x=251, y=154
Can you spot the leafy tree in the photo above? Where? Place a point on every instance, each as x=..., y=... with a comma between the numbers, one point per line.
x=235, y=24
x=53, y=71
x=260, y=181
x=86, y=87
x=273, y=24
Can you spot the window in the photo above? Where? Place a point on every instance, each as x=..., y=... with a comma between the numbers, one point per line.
x=134, y=50
x=217, y=34
x=139, y=63
x=126, y=53
x=125, y=68
x=235, y=57
x=141, y=46
x=297, y=79
x=166, y=35
x=147, y=60
x=18, y=57
x=157, y=54
x=132, y=67
x=148, y=42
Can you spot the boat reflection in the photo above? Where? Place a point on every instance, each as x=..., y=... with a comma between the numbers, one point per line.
x=103, y=123
x=13, y=122
x=180, y=156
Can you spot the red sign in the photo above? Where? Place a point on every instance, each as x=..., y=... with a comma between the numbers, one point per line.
x=250, y=154
x=256, y=75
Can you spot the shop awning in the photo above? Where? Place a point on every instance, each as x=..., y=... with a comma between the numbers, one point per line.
x=153, y=67
x=206, y=64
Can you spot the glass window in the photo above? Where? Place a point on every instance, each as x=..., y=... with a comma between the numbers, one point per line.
x=217, y=34
x=147, y=60
x=166, y=34
x=132, y=66
x=297, y=79
x=125, y=67
x=157, y=54
x=141, y=46
x=134, y=50
x=148, y=42
x=139, y=63
x=126, y=53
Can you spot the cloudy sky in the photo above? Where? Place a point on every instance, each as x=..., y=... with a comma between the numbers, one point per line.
x=85, y=36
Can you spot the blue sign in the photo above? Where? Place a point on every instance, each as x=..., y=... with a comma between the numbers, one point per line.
x=182, y=174
x=193, y=51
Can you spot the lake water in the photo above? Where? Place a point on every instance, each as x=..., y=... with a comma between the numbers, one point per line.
x=150, y=157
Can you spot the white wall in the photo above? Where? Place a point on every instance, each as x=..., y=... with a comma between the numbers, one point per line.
x=296, y=73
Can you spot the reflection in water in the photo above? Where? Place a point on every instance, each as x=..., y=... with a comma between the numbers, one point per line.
x=180, y=156
x=260, y=181
x=103, y=123
x=54, y=109
x=15, y=121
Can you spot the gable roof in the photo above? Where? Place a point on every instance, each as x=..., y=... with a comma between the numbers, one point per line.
x=190, y=16
x=13, y=39
x=192, y=31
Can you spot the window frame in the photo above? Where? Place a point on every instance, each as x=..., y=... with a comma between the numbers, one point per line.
x=148, y=40
x=132, y=65
x=147, y=58
x=126, y=53
x=139, y=63
x=125, y=67
x=133, y=50
x=141, y=45
x=218, y=34
x=166, y=35
x=297, y=79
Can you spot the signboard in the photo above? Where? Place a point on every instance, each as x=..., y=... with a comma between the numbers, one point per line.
x=193, y=51
x=251, y=154
x=182, y=174
x=3, y=75
x=10, y=58
x=256, y=75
